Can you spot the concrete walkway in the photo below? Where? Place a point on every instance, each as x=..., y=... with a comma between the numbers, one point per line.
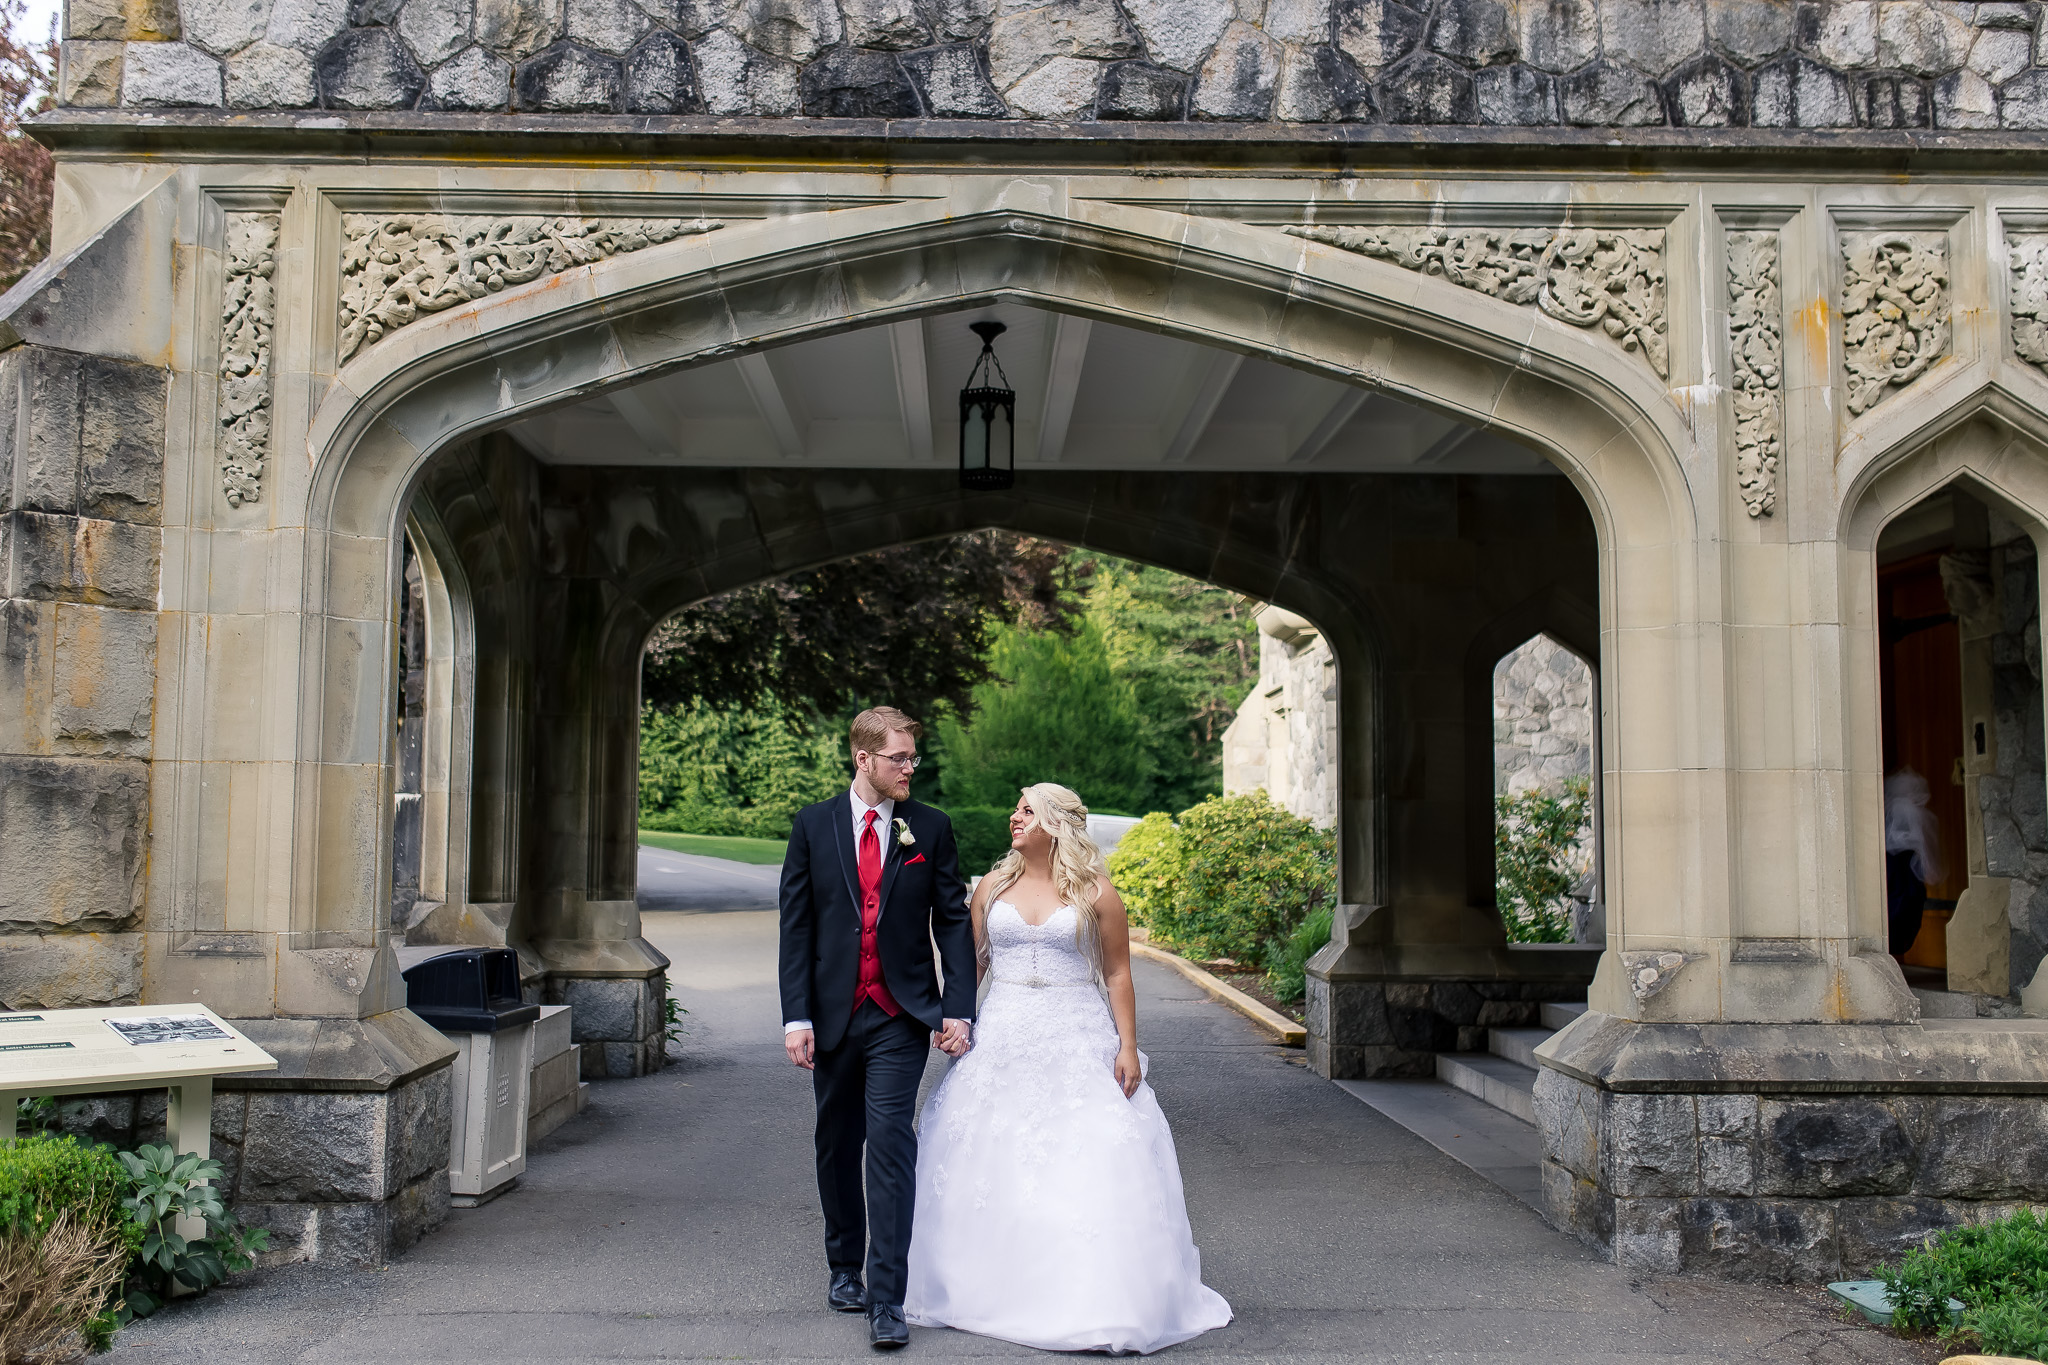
x=677, y=1219
x=692, y=882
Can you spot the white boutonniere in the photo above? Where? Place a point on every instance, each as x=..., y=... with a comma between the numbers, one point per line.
x=903, y=834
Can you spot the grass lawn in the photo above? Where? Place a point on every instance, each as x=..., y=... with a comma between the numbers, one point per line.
x=717, y=846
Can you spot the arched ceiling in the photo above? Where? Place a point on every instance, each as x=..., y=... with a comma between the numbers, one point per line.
x=1090, y=395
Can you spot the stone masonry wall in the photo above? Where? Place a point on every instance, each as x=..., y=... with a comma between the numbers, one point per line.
x=2014, y=802
x=1542, y=718
x=1284, y=738
x=1839, y=64
x=81, y=450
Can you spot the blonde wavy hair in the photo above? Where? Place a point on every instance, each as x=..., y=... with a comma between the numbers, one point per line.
x=1077, y=866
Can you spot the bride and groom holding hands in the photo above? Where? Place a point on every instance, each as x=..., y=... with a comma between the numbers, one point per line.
x=1038, y=1199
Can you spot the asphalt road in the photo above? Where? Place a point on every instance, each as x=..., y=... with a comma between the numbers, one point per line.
x=677, y=1219
x=693, y=884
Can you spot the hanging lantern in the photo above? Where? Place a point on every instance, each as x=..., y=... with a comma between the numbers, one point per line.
x=988, y=418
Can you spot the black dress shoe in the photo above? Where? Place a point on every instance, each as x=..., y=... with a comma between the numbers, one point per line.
x=886, y=1329
x=847, y=1295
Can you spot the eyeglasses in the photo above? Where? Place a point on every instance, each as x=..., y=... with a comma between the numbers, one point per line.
x=909, y=761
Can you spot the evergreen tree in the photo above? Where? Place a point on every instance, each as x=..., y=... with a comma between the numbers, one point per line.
x=1057, y=712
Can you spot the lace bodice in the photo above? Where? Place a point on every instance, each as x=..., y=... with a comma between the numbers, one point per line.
x=1038, y=955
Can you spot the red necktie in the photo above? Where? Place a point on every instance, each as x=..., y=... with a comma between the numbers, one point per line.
x=871, y=984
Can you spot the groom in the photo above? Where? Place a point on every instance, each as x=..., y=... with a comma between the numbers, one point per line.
x=870, y=882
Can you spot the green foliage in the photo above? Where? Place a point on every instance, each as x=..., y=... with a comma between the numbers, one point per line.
x=983, y=835
x=672, y=1013
x=1250, y=872
x=747, y=773
x=41, y=1176
x=1058, y=713
x=1190, y=652
x=1536, y=852
x=1287, y=959
x=164, y=1187
x=1997, y=1270
x=1146, y=867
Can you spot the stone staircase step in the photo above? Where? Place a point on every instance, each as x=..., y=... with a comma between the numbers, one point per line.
x=1556, y=1014
x=1498, y=1146
x=1507, y=1086
x=1517, y=1044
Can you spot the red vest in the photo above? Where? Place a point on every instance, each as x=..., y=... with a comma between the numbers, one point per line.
x=869, y=861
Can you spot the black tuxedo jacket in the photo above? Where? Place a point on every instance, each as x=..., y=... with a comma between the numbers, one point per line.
x=923, y=900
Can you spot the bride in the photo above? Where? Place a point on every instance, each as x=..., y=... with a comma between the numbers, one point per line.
x=1049, y=1208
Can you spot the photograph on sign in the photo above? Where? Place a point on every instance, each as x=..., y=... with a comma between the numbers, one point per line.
x=169, y=1028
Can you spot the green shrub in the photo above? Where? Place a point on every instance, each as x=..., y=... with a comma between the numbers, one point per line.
x=1146, y=867
x=1287, y=959
x=983, y=834
x=65, y=1242
x=1251, y=872
x=1997, y=1270
x=746, y=773
x=1536, y=851
x=162, y=1188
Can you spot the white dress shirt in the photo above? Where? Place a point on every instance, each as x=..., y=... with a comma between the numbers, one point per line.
x=883, y=831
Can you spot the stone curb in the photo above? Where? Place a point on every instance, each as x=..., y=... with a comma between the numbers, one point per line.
x=1283, y=1029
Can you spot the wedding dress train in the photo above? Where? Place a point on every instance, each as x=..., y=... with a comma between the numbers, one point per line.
x=1049, y=1207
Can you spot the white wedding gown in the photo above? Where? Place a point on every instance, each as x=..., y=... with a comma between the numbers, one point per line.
x=1049, y=1207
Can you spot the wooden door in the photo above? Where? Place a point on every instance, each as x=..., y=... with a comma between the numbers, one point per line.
x=1922, y=678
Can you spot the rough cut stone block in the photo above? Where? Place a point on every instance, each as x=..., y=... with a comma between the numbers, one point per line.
x=417, y=1210
x=135, y=21
x=1727, y=1165
x=1238, y=80
x=1179, y=33
x=602, y=1010
x=311, y=1147
x=1557, y=35
x=169, y=75
x=885, y=25
x=953, y=85
x=72, y=838
x=1567, y=1116
x=436, y=30
x=65, y=971
x=1321, y=84
x=850, y=83
x=1924, y=39
x=961, y=20
x=89, y=74
x=1964, y=99
x=1428, y=89
x=1480, y=32
x=1800, y=93
x=612, y=26
x=105, y=678
x=368, y=68
x=267, y=76
x=1731, y=1116
x=659, y=77
x=1999, y=54
x=518, y=28
x=1516, y=96
x=474, y=80
x=420, y=1117
x=1870, y=1232
x=566, y=79
x=1020, y=42
x=1985, y=1147
x=1609, y=96
x=120, y=439
x=1842, y=34
x=79, y=559
x=46, y=462
x=1647, y=1236
x=737, y=79
x=1831, y=1147
x=368, y=13
x=794, y=30
x=1064, y=87
x=1768, y=1240
x=1708, y=94
x=1377, y=33
x=1306, y=23
x=2023, y=101
x=1751, y=31
x=224, y=26
x=307, y=25
x=1648, y=1145
x=1578, y=1206
x=1653, y=36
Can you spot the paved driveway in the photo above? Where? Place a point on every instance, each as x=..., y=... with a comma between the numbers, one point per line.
x=677, y=1219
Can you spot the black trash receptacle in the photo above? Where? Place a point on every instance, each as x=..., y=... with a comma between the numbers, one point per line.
x=468, y=990
x=472, y=995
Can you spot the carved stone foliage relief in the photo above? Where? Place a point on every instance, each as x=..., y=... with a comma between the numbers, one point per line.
x=2028, y=256
x=248, y=315
x=395, y=269
x=1756, y=349
x=1895, y=311
x=1610, y=278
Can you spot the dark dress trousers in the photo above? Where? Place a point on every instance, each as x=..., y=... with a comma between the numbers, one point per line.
x=869, y=1064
